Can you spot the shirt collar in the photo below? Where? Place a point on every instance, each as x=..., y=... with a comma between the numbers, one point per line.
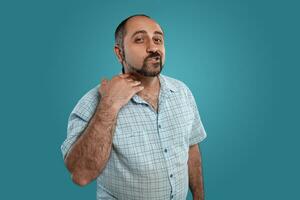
x=166, y=84
x=166, y=88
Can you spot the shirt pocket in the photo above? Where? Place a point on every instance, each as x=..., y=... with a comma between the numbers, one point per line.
x=133, y=149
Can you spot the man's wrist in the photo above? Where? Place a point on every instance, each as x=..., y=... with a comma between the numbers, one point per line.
x=107, y=104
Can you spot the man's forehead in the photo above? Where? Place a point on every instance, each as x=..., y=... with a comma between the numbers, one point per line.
x=139, y=23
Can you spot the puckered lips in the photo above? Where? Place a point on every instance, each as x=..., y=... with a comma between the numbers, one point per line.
x=154, y=59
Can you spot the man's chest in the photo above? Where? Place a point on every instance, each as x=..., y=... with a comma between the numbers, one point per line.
x=146, y=139
x=151, y=99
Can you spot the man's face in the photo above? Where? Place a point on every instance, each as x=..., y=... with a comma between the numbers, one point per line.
x=144, y=47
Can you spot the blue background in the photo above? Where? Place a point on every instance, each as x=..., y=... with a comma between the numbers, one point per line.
x=239, y=58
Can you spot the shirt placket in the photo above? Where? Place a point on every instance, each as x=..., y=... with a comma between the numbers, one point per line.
x=164, y=143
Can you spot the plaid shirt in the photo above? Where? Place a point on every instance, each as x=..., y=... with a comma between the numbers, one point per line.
x=150, y=149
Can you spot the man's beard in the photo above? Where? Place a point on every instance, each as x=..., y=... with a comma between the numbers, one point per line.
x=146, y=69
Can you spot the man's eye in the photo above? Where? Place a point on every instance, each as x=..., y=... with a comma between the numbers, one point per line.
x=158, y=40
x=138, y=40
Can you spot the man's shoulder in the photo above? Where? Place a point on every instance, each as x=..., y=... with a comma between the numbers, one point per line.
x=176, y=84
x=91, y=95
x=87, y=104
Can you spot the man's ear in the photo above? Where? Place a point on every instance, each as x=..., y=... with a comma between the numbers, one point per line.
x=119, y=53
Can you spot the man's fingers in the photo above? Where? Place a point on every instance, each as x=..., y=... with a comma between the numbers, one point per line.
x=138, y=88
x=135, y=83
x=128, y=76
x=124, y=75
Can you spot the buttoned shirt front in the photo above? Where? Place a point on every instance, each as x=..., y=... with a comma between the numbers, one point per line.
x=149, y=152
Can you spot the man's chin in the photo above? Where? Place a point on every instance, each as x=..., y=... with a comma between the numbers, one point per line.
x=148, y=71
x=148, y=74
x=153, y=71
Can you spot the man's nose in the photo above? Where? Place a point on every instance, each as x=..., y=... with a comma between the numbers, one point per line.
x=151, y=47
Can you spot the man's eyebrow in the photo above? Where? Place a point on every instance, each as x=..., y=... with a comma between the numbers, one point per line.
x=137, y=32
x=144, y=32
x=159, y=32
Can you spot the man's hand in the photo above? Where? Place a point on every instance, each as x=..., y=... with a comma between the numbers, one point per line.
x=118, y=91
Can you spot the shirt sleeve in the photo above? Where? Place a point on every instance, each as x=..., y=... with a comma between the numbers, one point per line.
x=76, y=126
x=198, y=132
x=79, y=119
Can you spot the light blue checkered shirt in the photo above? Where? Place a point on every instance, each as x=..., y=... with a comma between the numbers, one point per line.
x=150, y=149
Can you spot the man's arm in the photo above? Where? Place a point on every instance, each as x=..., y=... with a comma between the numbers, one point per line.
x=89, y=154
x=195, y=173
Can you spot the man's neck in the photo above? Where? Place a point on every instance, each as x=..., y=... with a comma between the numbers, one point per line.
x=151, y=84
x=150, y=93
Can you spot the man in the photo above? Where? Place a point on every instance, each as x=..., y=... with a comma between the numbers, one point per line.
x=138, y=133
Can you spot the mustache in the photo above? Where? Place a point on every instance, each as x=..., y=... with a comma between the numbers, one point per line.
x=153, y=55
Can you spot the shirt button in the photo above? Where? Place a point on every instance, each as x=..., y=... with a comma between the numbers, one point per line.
x=159, y=126
x=172, y=196
x=171, y=175
x=166, y=150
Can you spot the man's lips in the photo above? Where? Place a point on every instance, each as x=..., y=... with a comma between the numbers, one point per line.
x=154, y=59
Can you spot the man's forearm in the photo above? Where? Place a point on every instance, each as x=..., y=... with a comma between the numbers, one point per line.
x=90, y=153
x=195, y=173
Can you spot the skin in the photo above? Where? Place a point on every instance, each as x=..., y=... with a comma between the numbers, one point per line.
x=195, y=173
x=144, y=38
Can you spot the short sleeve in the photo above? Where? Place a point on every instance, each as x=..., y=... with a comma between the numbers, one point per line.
x=76, y=126
x=79, y=119
x=198, y=132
